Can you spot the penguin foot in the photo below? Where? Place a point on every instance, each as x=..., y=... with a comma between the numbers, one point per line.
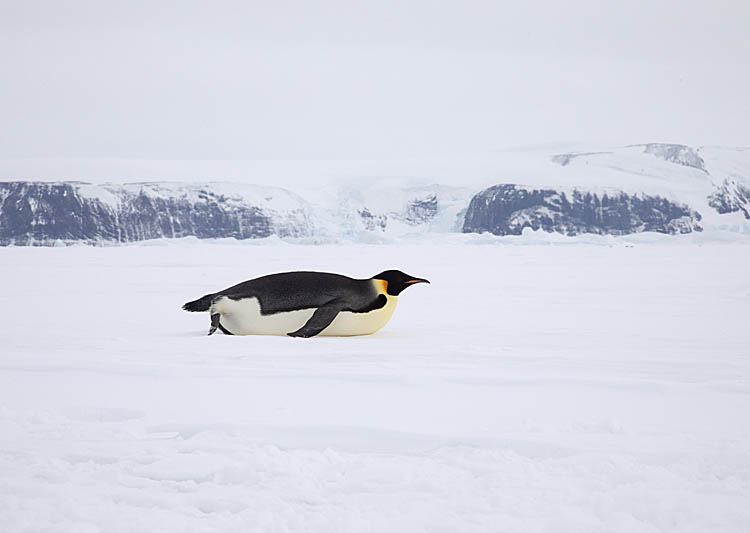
x=302, y=335
x=214, y=323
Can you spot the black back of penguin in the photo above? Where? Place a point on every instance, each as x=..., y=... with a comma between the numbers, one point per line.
x=292, y=291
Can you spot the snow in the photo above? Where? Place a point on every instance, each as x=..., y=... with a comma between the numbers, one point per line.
x=540, y=383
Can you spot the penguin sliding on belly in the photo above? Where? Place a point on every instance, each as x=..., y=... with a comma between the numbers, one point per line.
x=305, y=304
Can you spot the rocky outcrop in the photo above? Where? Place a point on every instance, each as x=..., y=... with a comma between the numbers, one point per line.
x=416, y=212
x=39, y=212
x=565, y=159
x=373, y=222
x=420, y=211
x=42, y=213
x=507, y=209
x=676, y=153
x=673, y=153
x=731, y=197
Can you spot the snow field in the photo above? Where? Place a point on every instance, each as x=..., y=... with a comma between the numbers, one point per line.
x=574, y=387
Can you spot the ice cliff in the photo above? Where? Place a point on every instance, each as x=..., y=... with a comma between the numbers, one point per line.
x=507, y=209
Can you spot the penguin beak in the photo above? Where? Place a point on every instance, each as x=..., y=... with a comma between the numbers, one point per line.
x=417, y=280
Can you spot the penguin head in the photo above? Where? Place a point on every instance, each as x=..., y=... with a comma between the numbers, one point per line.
x=397, y=281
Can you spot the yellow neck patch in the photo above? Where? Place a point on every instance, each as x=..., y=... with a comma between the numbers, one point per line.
x=384, y=285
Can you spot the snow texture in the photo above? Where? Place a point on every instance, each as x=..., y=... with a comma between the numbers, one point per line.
x=540, y=383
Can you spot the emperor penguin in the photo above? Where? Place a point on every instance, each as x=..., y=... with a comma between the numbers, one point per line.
x=305, y=304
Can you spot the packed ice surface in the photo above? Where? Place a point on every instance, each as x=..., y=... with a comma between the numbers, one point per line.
x=570, y=386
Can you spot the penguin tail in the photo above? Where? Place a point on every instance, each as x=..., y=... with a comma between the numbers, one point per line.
x=201, y=304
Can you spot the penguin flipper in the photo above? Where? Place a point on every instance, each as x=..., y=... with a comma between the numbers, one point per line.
x=320, y=320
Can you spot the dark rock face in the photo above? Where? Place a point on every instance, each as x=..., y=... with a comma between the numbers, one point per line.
x=731, y=197
x=507, y=209
x=373, y=222
x=676, y=153
x=417, y=211
x=144, y=217
x=41, y=213
x=423, y=210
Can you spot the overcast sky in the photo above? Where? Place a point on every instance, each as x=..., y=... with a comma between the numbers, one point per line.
x=347, y=79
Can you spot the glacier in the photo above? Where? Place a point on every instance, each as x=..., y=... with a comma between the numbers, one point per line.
x=659, y=187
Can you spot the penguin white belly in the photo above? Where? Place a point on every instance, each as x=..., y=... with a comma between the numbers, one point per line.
x=243, y=317
x=346, y=323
